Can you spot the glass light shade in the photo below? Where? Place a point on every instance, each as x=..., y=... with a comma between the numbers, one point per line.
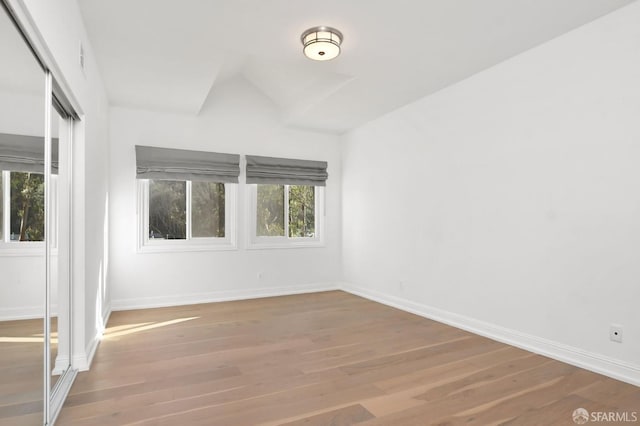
x=321, y=51
x=321, y=43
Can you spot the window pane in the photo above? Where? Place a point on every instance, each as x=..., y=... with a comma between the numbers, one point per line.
x=27, y=206
x=207, y=209
x=302, y=211
x=270, y=211
x=167, y=209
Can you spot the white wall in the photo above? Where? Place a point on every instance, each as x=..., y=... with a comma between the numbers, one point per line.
x=510, y=202
x=57, y=29
x=236, y=119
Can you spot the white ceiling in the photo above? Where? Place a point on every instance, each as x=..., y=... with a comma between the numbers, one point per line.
x=168, y=55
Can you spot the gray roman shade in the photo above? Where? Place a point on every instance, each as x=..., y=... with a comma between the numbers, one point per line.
x=180, y=164
x=20, y=153
x=286, y=171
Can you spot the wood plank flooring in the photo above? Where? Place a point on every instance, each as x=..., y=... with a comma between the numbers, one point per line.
x=322, y=359
x=21, y=372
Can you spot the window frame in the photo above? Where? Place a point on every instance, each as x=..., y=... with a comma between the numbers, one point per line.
x=152, y=245
x=25, y=248
x=277, y=242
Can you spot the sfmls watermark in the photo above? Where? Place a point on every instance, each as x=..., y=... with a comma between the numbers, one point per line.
x=582, y=416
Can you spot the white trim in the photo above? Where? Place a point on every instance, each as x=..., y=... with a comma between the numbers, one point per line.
x=5, y=189
x=219, y=296
x=619, y=370
x=61, y=365
x=25, y=249
x=22, y=313
x=22, y=249
x=82, y=361
x=48, y=101
x=188, y=217
x=284, y=244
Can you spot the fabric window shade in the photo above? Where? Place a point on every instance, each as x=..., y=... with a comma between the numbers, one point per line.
x=19, y=153
x=180, y=164
x=285, y=171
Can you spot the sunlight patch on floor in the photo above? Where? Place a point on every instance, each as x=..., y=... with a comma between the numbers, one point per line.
x=125, y=330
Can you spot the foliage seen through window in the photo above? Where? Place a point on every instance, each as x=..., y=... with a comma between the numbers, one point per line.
x=299, y=216
x=207, y=209
x=168, y=209
x=26, y=222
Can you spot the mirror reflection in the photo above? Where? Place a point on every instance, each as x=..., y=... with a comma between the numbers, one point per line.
x=60, y=248
x=22, y=265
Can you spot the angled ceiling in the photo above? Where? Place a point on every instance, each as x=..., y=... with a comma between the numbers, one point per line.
x=168, y=55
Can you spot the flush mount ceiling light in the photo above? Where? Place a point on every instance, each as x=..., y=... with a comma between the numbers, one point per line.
x=321, y=43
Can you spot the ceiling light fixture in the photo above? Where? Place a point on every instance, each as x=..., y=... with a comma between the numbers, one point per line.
x=321, y=43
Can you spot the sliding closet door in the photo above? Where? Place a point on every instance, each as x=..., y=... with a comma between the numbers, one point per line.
x=36, y=144
x=22, y=230
x=60, y=246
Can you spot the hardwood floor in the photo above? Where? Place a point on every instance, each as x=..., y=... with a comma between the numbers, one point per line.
x=21, y=371
x=322, y=359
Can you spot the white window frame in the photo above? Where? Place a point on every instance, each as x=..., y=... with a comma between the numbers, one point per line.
x=151, y=245
x=276, y=242
x=25, y=248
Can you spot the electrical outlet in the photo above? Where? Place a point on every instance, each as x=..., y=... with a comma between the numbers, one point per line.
x=615, y=333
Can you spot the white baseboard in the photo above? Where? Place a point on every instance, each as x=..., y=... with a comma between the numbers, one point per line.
x=597, y=363
x=60, y=366
x=25, y=313
x=82, y=361
x=218, y=296
x=21, y=313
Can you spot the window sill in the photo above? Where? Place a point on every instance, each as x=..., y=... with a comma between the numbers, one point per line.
x=284, y=244
x=184, y=246
x=24, y=249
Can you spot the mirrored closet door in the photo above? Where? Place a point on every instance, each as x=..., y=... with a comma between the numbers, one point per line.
x=59, y=246
x=36, y=129
x=22, y=253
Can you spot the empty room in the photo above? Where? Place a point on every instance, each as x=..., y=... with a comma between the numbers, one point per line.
x=243, y=212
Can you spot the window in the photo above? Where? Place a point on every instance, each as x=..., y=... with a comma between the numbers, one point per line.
x=21, y=207
x=186, y=215
x=186, y=199
x=287, y=201
x=286, y=215
x=22, y=195
x=271, y=216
